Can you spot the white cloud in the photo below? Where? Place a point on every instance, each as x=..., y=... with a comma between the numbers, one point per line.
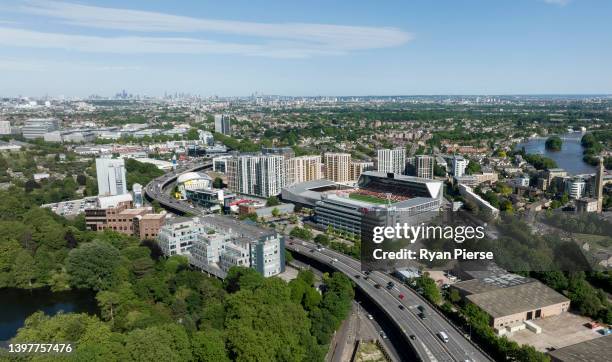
x=557, y=2
x=275, y=39
x=34, y=65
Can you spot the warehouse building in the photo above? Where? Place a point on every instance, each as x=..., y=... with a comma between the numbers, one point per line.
x=510, y=299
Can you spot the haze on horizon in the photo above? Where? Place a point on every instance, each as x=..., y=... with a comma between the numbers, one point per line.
x=305, y=48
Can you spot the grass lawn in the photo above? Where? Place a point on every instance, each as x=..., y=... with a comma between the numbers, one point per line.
x=367, y=198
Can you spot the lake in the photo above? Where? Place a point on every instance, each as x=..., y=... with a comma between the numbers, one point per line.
x=18, y=304
x=570, y=156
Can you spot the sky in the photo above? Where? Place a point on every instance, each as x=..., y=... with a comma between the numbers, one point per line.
x=305, y=48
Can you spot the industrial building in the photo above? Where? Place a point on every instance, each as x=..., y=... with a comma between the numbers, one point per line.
x=593, y=350
x=510, y=299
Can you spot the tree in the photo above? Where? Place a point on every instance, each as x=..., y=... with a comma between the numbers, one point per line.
x=92, y=265
x=322, y=239
x=81, y=180
x=553, y=143
x=430, y=289
x=218, y=183
x=209, y=346
x=275, y=212
x=139, y=345
x=272, y=201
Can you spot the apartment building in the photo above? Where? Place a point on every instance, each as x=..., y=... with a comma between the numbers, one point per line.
x=420, y=166
x=178, y=234
x=258, y=175
x=304, y=168
x=459, y=166
x=110, y=173
x=337, y=166
x=391, y=160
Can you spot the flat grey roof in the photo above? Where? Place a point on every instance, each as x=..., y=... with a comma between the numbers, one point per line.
x=239, y=227
x=594, y=350
x=516, y=299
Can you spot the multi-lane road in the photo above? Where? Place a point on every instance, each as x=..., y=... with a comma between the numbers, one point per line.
x=399, y=303
x=423, y=334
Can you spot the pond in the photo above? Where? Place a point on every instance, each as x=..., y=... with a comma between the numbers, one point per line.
x=18, y=304
x=568, y=158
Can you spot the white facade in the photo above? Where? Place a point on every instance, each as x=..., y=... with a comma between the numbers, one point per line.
x=138, y=195
x=459, y=166
x=393, y=161
x=177, y=236
x=262, y=175
x=37, y=127
x=206, y=137
x=193, y=181
x=5, y=127
x=110, y=173
x=575, y=187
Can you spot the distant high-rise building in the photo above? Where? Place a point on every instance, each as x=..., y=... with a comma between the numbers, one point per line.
x=420, y=166
x=223, y=124
x=391, y=160
x=111, y=176
x=599, y=181
x=5, y=127
x=337, y=166
x=37, y=127
x=459, y=166
x=260, y=175
x=304, y=168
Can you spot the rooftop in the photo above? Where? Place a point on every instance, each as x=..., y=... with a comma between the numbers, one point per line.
x=516, y=299
x=589, y=351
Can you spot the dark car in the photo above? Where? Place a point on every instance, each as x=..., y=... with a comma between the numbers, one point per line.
x=377, y=286
x=357, y=276
x=423, y=315
x=413, y=337
x=401, y=307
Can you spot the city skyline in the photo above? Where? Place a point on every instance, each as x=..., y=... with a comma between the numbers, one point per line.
x=100, y=47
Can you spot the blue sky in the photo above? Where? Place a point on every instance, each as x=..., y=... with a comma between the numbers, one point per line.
x=315, y=47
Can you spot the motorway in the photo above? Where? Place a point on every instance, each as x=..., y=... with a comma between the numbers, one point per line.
x=426, y=342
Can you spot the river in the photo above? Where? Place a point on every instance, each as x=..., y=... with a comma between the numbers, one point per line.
x=568, y=158
x=18, y=304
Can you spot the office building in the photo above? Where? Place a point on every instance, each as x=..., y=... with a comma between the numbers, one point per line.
x=223, y=124
x=206, y=137
x=226, y=242
x=258, y=175
x=459, y=166
x=192, y=181
x=337, y=166
x=391, y=160
x=37, y=127
x=420, y=166
x=304, y=168
x=116, y=213
x=219, y=163
x=110, y=173
x=178, y=234
x=5, y=127
x=599, y=183
x=575, y=187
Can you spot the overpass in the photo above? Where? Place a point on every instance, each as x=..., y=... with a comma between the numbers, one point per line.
x=422, y=334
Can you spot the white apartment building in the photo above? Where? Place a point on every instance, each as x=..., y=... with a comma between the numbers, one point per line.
x=5, y=127
x=459, y=166
x=304, y=168
x=224, y=242
x=337, y=166
x=110, y=173
x=258, y=175
x=575, y=187
x=392, y=160
x=177, y=236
